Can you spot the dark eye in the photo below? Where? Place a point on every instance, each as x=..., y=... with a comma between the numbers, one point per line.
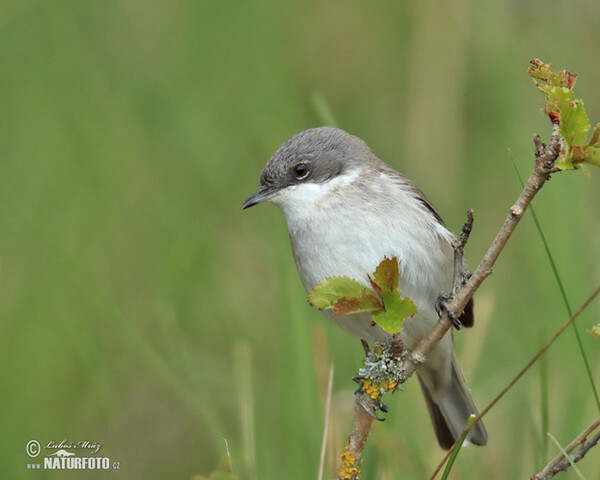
x=301, y=171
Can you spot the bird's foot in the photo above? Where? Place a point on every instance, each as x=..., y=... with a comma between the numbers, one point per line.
x=370, y=404
x=441, y=305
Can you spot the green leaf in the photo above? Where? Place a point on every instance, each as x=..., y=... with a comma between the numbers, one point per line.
x=397, y=309
x=387, y=274
x=344, y=296
x=330, y=289
x=559, y=98
x=562, y=108
x=574, y=123
x=385, y=281
x=565, y=163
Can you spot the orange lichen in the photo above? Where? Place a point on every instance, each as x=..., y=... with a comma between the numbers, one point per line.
x=348, y=468
x=376, y=389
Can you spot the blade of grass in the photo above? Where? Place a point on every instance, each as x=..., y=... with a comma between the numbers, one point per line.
x=243, y=366
x=228, y=455
x=456, y=450
x=562, y=290
x=326, y=423
x=567, y=456
x=544, y=397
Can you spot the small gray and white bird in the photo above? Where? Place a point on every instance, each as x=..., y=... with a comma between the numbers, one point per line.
x=346, y=210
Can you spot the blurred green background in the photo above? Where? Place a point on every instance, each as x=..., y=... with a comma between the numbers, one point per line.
x=142, y=310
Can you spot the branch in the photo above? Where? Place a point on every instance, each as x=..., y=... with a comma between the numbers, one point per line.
x=364, y=406
x=560, y=462
x=545, y=158
x=460, y=275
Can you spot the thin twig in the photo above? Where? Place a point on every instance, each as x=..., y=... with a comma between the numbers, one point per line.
x=560, y=462
x=520, y=374
x=459, y=248
x=579, y=454
x=543, y=168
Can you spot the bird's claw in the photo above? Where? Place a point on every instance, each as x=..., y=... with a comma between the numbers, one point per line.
x=370, y=405
x=365, y=346
x=441, y=305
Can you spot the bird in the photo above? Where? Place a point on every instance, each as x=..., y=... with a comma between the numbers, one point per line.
x=346, y=210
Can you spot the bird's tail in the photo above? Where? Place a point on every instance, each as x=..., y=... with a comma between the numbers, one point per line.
x=450, y=412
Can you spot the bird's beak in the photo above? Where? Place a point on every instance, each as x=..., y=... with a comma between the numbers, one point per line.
x=262, y=194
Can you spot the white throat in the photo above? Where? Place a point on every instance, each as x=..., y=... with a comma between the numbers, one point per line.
x=302, y=202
